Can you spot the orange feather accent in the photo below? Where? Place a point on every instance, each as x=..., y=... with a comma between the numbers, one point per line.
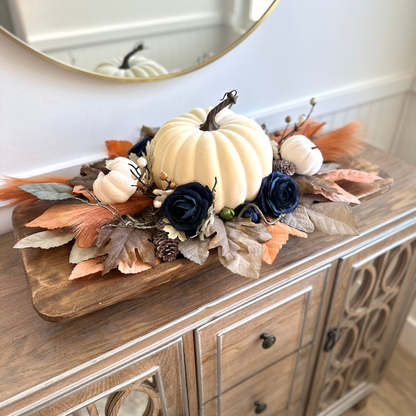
x=10, y=194
x=345, y=141
x=117, y=148
x=85, y=220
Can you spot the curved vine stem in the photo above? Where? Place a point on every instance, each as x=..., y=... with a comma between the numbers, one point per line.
x=125, y=64
x=251, y=205
x=229, y=99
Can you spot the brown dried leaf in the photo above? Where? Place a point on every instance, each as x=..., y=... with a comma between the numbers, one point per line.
x=280, y=234
x=87, y=267
x=313, y=184
x=195, y=249
x=333, y=218
x=120, y=240
x=86, y=181
x=148, y=131
x=350, y=175
x=299, y=219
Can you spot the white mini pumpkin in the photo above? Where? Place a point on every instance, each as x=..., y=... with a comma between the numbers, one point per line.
x=131, y=66
x=118, y=185
x=236, y=151
x=303, y=153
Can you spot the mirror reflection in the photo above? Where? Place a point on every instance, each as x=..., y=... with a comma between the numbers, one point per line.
x=132, y=38
x=136, y=404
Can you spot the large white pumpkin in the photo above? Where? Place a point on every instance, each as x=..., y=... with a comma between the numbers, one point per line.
x=238, y=154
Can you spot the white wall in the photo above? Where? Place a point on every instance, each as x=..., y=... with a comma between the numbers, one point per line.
x=355, y=56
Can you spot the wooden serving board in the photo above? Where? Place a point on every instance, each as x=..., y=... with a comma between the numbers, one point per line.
x=56, y=298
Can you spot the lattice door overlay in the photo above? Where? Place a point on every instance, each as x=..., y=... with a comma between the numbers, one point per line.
x=372, y=293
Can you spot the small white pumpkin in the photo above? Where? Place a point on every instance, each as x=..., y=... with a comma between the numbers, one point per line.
x=303, y=153
x=207, y=144
x=131, y=66
x=117, y=185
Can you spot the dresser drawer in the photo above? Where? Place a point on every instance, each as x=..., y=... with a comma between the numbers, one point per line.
x=239, y=344
x=277, y=390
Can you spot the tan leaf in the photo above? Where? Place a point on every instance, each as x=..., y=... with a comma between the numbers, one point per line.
x=220, y=239
x=87, y=267
x=342, y=196
x=195, y=249
x=119, y=240
x=137, y=266
x=280, y=234
x=334, y=218
x=244, y=249
x=79, y=254
x=299, y=219
x=350, y=175
x=46, y=239
x=313, y=185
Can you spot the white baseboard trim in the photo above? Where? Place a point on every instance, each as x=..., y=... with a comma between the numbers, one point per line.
x=337, y=100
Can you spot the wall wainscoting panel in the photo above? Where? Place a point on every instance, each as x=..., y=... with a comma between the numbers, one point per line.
x=378, y=104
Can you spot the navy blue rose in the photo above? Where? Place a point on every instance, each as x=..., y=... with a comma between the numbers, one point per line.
x=278, y=195
x=250, y=212
x=140, y=147
x=187, y=206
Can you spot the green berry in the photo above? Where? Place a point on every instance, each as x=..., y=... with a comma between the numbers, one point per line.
x=227, y=213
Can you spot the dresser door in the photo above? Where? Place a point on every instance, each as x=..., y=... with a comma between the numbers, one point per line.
x=371, y=290
x=153, y=385
x=258, y=357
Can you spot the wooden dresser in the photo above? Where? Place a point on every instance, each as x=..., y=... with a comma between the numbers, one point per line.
x=312, y=336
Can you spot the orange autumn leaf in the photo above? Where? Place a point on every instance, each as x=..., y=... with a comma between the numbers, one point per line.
x=280, y=234
x=137, y=267
x=80, y=190
x=342, y=196
x=87, y=267
x=11, y=195
x=350, y=175
x=117, y=148
x=342, y=142
x=85, y=220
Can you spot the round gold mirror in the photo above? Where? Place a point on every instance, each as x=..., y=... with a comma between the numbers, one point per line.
x=132, y=40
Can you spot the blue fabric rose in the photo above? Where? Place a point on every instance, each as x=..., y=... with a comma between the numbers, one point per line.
x=250, y=212
x=187, y=206
x=140, y=147
x=278, y=195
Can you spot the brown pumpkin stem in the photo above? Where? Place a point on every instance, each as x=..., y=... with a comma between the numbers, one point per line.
x=228, y=100
x=125, y=64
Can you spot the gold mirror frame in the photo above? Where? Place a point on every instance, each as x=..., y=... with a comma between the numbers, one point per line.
x=150, y=79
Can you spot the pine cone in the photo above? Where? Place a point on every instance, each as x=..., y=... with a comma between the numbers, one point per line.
x=284, y=166
x=166, y=248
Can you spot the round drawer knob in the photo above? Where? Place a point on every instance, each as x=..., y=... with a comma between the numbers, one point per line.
x=268, y=341
x=260, y=407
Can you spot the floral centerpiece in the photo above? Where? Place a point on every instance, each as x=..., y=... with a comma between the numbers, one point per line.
x=209, y=179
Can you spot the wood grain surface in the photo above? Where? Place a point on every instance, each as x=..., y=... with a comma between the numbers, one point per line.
x=46, y=356
x=56, y=298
